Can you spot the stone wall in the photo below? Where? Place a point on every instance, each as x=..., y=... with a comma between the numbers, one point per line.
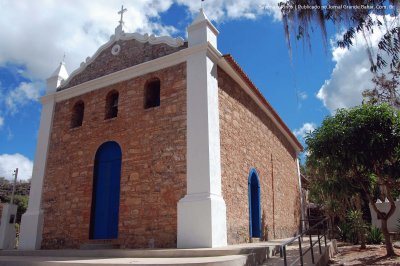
x=250, y=139
x=132, y=53
x=153, y=174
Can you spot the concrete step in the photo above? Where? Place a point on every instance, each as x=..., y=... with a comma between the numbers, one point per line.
x=231, y=260
x=260, y=250
x=91, y=246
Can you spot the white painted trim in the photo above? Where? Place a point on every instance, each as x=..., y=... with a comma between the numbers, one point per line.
x=152, y=39
x=202, y=24
x=128, y=73
x=202, y=212
x=32, y=220
x=236, y=77
x=301, y=193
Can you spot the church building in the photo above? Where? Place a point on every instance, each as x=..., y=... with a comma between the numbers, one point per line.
x=160, y=142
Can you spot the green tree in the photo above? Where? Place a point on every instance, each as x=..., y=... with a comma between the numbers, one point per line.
x=362, y=146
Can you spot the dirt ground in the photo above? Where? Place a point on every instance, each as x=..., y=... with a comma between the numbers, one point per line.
x=373, y=255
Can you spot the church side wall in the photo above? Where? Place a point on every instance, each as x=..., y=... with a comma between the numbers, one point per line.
x=249, y=139
x=153, y=174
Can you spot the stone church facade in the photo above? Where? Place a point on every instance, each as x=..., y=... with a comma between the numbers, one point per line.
x=160, y=142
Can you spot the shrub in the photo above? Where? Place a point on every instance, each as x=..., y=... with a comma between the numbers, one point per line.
x=374, y=235
x=347, y=233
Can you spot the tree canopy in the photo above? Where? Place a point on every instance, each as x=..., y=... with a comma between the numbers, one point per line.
x=358, y=149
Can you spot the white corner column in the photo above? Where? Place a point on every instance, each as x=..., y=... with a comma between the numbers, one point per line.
x=32, y=220
x=202, y=212
x=301, y=194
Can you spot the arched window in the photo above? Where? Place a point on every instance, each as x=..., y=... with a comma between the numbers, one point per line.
x=152, y=93
x=112, y=104
x=77, y=114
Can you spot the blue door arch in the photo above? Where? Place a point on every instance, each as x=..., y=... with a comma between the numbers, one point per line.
x=106, y=192
x=254, y=204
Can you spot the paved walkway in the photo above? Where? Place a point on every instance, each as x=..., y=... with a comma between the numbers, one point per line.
x=234, y=255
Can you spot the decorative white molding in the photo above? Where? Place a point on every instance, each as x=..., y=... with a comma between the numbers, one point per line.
x=120, y=35
x=152, y=39
x=32, y=219
x=116, y=49
x=128, y=73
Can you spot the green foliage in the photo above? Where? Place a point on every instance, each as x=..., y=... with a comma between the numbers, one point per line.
x=357, y=151
x=360, y=139
x=374, y=235
x=352, y=227
x=346, y=233
x=357, y=148
x=22, y=202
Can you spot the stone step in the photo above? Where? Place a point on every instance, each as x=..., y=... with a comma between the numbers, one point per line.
x=92, y=246
x=231, y=260
x=142, y=253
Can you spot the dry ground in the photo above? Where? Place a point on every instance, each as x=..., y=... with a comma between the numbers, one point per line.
x=373, y=255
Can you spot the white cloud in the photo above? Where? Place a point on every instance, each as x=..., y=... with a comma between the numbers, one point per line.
x=9, y=162
x=304, y=130
x=21, y=95
x=302, y=95
x=351, y=75
x=221, y=10
x=37, y=33
x=1, y=122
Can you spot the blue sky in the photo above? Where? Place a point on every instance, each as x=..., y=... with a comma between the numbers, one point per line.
x=35, y=34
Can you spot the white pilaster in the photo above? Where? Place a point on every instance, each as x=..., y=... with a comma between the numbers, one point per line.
x=202, y=212
x=7, y=226
x=301, y=193
x=32, y=220
x=56, y=79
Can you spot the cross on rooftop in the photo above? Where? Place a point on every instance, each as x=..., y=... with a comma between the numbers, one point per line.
x=123, y=10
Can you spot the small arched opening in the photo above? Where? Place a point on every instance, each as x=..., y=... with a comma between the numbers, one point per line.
x=77, y=114
x=254, y=204
x=112, y=104
x=152, y=93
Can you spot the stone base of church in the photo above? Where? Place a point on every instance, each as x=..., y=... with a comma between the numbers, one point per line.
x=31, y=230
x=201, y=221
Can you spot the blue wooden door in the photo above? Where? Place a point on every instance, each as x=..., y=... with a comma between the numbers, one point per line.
x=106, y=192
x=254, y=205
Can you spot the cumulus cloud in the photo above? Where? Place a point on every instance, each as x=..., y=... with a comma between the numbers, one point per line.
x=304, y=130
x=351, y=75
x=9, y=162
x=222, y=10
x=37, y=33
x=21, y=95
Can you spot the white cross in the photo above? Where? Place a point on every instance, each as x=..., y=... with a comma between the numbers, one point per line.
x=123, y=10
